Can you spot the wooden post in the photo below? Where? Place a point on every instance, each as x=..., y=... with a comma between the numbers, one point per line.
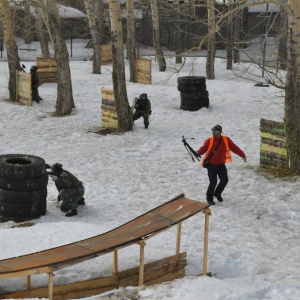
x=28, y=282
x=178, y=238
x=142, y=262
x=50, y=286
x=207, y=213
x=116, y=262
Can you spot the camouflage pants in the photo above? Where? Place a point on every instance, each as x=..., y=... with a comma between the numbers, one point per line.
x=141, y=113
x=35, y=95
x=70, y=197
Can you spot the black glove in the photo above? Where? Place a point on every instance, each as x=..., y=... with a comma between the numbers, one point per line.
x=150, y=112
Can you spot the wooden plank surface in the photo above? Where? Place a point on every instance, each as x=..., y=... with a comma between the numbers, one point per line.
x=144, y=226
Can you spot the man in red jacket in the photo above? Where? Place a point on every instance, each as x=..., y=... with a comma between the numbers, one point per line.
x=217, y=152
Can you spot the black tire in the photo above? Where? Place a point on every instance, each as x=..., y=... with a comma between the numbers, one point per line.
x=22, y=197
x=194, y=95
x=195, y=102
x=24, y=184
x=191, y=88
x=21, y=166
x=191, y=80
x=33, y=210
x=193, y=105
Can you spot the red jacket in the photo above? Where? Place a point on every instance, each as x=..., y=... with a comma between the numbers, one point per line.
x=218, y=158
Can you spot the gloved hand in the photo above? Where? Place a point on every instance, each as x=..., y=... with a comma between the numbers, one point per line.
x=245, y=159
x=53, y=177
x=150, y=112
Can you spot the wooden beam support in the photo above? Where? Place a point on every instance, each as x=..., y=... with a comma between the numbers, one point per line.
x=178, y=238
x=51, y=286
x=142, y=262
x=28, y=282
x=207, y=213
x=115, y=262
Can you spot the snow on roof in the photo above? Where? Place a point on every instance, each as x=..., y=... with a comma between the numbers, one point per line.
x=70, y=12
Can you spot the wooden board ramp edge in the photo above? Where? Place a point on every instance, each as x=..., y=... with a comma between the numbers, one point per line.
x=166, y=269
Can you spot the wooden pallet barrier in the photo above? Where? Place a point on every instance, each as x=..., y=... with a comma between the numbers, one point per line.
x=143, y=70
x=108, y=108
x=106, y=53
x=23, y=93
x=136, y=231
x=47, y=69
x=273, y=151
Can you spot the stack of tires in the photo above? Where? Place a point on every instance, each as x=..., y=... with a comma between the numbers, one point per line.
x=23, y=187
x=193, y=92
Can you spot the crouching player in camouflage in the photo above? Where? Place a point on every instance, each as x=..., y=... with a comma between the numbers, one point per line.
x=70, y=189
x=142, y=109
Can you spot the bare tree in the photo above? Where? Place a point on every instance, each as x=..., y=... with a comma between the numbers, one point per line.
x=11, y=47
x=124, y=112
x=99, y=15
x=156, y=37
x=89, y=6
x=131, y=49
x=229, y=44
x=292, y=102
x=42, y=34
x=64, y=101
x=211, y=41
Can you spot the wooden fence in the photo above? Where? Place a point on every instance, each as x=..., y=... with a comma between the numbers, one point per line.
x=273, y=152
x=23, y=94
x=106, y=53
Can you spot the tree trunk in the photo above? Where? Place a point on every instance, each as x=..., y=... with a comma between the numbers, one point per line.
x=229, y=36
x=211, y=43
x=124, y=112
x=64, y=101
x=99, y=15
x=28, y=25
x=236, y=35
x=131, y=40
x=11, y=47
x=42, y=34
x=282, y=47
x=292, y=103
x=95, y=36
x=156, y=37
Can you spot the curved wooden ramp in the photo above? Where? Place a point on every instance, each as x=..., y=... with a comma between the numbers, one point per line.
x=136, y=231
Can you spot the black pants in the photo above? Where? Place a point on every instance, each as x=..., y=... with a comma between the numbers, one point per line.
x=213, y=173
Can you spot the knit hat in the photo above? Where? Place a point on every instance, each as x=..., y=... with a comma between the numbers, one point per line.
x=217, y=128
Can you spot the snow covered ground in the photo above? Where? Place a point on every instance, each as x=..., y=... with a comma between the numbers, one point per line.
x=254, y=234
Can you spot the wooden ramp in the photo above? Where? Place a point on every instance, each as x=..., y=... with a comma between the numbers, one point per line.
x=136, y=231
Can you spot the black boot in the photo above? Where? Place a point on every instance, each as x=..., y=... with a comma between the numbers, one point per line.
x=71, y=213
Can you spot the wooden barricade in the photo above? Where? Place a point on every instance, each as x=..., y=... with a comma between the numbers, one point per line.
x=143, y=70
x=273, y=152
x=23, y=94
x=108, y=107
x=106, y=53
x=156, y=272
x=47, y=69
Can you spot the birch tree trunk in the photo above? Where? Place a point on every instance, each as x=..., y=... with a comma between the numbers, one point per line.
x=236, y=34
x=292, y=96
x=131, y=40
x=42, y=34
x=211, y=43
x=89, y=6
x=11, y=48
x=282, y=47
x=156, y=37
x=64, y=101
x=124, y=112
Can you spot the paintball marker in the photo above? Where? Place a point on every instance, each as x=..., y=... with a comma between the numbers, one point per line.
x=190, y=150
x=23, y=67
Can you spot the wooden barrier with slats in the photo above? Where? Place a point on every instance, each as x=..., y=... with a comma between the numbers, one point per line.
x=47, y=69
x=108, y=109
x=143, y=70
x=273, y=151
